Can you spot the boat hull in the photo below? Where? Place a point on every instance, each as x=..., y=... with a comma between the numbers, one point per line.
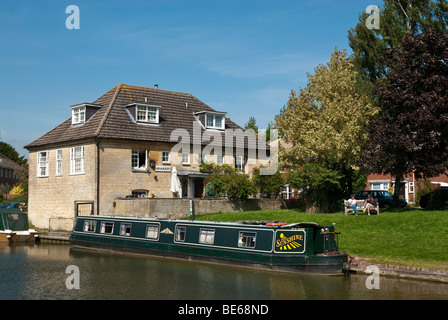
x=18, y=236
x=260, y=257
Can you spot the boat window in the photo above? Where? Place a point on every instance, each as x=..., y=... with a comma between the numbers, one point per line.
x=180, y=234
x=247, y=239
x=152, y=232
x=90, y=225
x=207, y=236
x=107, y=227
x=125, y=229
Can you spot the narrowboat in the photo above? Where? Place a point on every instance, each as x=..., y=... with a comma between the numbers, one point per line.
x=14, y=226
x=296, y=247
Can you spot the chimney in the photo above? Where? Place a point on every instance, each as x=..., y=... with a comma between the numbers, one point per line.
x=156, y=86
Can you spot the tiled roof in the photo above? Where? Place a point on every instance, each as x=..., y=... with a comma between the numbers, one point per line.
x=112, y=120
x=8, y=163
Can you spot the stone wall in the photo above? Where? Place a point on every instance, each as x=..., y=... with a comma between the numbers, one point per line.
x=180, y=208
x=51, y=199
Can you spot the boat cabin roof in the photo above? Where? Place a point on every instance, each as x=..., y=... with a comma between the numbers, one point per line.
x=245, y=222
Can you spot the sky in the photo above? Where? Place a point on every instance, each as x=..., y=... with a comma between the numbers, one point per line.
x=241, y=57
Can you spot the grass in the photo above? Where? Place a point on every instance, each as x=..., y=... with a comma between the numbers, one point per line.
x=412, y=237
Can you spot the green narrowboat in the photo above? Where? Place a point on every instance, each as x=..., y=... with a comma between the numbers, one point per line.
x=297, y=247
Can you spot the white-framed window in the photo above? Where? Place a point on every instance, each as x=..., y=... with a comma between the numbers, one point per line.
x=139, y=159
x=43, y=161
x=411, y=187
x=185, y=158
x=77, y=160
x=89, y=225
x=147, y=114
x=125, y=229
x=78, y=115
x=152, y=231
x=59, y=162
x=247, y=239
x=107, y=227
x=207, y=236
x=214, y=121
x=239, y=163
x=165, y=157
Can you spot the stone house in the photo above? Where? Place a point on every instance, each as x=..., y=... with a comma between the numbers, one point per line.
x=132, y=141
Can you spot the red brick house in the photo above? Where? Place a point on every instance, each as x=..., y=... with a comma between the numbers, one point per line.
x=409, y=186
x=8, y=175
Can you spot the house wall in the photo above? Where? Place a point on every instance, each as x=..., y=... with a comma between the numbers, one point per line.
x=51, y=200
x=118, y=179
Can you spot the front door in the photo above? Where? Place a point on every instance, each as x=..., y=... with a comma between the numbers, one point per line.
x=184, y=185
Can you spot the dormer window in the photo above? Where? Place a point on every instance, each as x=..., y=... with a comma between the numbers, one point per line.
x=147, y=114
x=212, y=119
x=215, y=121
x=81, y=113
x=143, y=113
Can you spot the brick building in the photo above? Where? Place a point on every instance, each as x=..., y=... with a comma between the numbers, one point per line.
x=131, y=141
x=8, y=171
x=409, y=186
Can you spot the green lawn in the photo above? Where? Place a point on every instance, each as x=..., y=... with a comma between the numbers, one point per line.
x=411, y=237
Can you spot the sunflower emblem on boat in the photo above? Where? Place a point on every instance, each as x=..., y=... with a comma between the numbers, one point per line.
x=289, y=243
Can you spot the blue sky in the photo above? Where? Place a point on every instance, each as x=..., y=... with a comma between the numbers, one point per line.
x=242, y=57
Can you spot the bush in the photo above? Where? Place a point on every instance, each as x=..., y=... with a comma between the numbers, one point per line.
x=225, y=181
x=17, y=190
x=435, y=200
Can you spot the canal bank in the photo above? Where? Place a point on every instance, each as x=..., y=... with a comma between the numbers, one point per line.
x=360, y=265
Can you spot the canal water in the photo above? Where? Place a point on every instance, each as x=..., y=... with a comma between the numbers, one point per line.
x=38, y=271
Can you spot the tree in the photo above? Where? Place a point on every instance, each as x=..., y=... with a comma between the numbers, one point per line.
x=325, y=123
x=397, y=18
x=269, y=185
x=9, y=152
x=225, y=181
x=251, y=124
x=411, y=133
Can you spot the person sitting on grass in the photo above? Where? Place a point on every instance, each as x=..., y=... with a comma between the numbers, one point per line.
x=368, y=204
x=352, y=204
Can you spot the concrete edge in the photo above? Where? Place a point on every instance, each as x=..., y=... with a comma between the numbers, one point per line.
x=359, y=265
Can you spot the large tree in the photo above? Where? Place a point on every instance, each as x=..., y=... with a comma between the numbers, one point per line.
x=9, y=152
x=397, y=19
x=325, y=122
x=411, y=133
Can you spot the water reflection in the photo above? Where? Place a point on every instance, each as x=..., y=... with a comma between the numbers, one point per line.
x=37, y=271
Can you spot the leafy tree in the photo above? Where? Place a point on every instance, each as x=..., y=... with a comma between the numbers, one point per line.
x=9, y=152
x=251, y=124
x=321, y=186
x=411, y=133
x=397, y=18
x=225, y=181
x=269, y=185
x=325, y=123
